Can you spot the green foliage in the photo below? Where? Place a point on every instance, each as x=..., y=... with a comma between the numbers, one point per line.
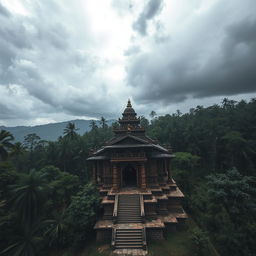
x=82, y=214
x=8, y=176
x=70, y=131
x=226, y=207
x=27, y=242
x=5, y=144
x=200, y=241
x=62, y=186
x=215, y=166
x=28, y=196
x=185, y=160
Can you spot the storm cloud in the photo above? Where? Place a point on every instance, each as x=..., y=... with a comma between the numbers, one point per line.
x=42, y=60
x=152, y=8
x=215, y=55
x=62, y=61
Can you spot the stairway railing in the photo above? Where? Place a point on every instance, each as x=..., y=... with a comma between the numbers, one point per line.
x=113, y=242
x=115, y=209
x=144, y=239
x=142, y=210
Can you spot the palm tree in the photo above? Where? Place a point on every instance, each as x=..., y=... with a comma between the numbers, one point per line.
x=17, y=153
x=70, y=130
x=5, y=143
x=103, y=122
x=93, y=125
x=56, y=228
x=25, y=243
x=28, y=196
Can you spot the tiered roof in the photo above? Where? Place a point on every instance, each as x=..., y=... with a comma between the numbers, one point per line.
x=130, y=134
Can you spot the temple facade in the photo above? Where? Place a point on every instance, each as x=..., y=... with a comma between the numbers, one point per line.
x=140, y=199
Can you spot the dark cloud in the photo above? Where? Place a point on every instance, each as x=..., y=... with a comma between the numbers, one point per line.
x=4, y=11
x=212, y=61
x=152, y=8
x=53, y=63
x=42, y=69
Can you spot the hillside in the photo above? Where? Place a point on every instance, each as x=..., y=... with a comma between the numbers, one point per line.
x=50, y=131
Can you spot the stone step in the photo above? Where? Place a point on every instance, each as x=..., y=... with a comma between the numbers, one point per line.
x=129, y=237
x=128, y=247
x=132, y=230
x=129, y=221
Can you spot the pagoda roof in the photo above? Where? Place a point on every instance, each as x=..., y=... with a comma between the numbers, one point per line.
x=143, y=143
x=131, y=136
x=142, y=139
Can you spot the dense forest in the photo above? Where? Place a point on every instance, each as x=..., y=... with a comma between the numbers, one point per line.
x=47, y=201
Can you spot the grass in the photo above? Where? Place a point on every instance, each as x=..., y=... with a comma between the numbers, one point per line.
x=178, y=244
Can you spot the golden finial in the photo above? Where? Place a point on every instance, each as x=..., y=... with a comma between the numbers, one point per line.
x=129, y=105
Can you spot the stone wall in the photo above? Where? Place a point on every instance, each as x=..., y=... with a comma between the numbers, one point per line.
x=154, y=234
x=104, y=235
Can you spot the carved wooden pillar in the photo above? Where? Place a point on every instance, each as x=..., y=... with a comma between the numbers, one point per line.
x=115, y=178
x=104, y=174
x=94, y=173
x=97, y=172
x=169, y=171
x=143, y=176
x=99, y=178
x=166, y=170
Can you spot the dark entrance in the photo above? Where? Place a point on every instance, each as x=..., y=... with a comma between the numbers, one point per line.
x=129, y=176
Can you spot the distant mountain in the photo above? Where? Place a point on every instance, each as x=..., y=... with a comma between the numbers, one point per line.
x=50, y=131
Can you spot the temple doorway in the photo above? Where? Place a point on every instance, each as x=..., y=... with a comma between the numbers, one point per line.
x=129, y=176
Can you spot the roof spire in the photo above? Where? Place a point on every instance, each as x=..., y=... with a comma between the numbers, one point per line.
x=129, y=105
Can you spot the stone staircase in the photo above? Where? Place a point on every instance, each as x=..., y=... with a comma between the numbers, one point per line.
x=129, y=233
x=129, y=209
x=129, y=238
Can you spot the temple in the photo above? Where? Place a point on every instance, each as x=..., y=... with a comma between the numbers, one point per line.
x=140, y=199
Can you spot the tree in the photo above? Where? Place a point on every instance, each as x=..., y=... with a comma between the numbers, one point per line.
x=82, y=214
x=152, y=114
x=31, y=141
x=93, y=125
x=144, y=122
x=5, y=144
x=27, y=242
x=28, y=196
x=200, y=241
x=56, y=229
x=70, y=130
x=225, y=205
x=17, y=154
x=103, y=122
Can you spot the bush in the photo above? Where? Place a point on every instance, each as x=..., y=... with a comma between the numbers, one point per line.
x=81, y=215
x=200, y=241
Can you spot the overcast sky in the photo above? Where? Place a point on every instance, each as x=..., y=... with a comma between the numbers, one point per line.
x=63, y=60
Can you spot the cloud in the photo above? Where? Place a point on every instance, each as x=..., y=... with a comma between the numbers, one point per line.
x=4, y=11
x=211, y=55
x=132, y=50
x=47, y=59
x=61, y=62
x=152, y=8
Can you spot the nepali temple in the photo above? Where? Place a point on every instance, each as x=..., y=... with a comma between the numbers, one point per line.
x=140, y=199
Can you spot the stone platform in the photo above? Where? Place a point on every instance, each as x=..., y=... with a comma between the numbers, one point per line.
x=129, y=252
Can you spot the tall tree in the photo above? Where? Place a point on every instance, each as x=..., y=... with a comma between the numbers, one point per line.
x=103, y=122
x=70, y=130
x=93, y=125
x=5, y=144
x=28, y=196
x=152, y=114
